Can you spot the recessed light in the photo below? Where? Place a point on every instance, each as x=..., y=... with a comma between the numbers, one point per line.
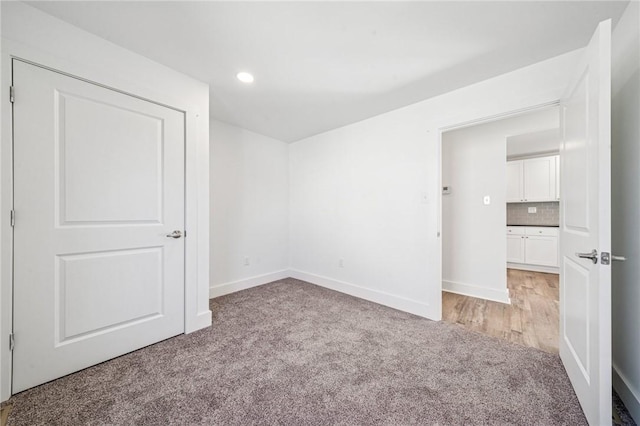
x=245, y=77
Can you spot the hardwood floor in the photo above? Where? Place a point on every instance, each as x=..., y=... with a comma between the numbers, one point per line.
x=530, y=320
x=5, y=410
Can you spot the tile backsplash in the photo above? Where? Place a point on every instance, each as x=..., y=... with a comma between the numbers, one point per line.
x=546, y=214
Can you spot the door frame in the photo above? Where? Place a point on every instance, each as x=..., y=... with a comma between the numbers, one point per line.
x=533, y=107
x=125, y=72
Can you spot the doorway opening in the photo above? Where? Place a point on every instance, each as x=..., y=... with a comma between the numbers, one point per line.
x=500, y=218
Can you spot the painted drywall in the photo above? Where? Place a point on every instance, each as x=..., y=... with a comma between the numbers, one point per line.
x=365, y=199
x=625, y=193
x=29, y=34
x=249, y=209
x=474, y=166
x=535, y=143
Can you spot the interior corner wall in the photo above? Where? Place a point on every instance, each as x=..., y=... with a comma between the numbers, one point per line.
x=365, y=198
x=474, y=165
x=249, y=209
x=625, y=197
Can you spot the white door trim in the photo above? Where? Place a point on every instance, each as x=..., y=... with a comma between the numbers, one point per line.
x=125, y=73
x=499, y=116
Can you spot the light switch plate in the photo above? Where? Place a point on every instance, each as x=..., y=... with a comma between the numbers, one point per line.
x=487, y=200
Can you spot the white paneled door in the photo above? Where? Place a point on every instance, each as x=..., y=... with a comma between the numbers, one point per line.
x=98, y=184
x=585, y=231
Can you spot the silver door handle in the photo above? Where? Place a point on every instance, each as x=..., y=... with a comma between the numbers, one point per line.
x=606, y=258
x=593, y=255
x=175, y=234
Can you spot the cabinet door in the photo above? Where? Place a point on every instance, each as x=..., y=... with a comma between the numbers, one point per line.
x=515, y=248
x=514, y=181
x=557, y=177
x=542, y=250
x=539, y=179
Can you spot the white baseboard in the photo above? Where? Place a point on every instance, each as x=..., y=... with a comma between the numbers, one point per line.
x=393, y=301
x=534, y=268
x=232, y=287
x=629, y=395
x=471, y=290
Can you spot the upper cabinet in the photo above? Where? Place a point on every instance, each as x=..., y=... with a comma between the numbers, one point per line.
x=533, y=180
x=557, y=177
x=540, y=179
x=515, y=182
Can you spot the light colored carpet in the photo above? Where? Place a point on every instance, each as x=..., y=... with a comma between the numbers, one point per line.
x=291, y=353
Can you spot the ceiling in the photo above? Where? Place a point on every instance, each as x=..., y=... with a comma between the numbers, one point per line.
x=322, y=65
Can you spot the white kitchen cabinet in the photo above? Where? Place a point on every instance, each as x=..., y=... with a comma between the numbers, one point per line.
x=532, y=245
x=533, y=180
x=515, y=184
x=515, y=248
x=540, y=179
x=557, y=177
x=540, y=250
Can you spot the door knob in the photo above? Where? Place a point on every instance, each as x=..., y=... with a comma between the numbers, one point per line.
x=607, y=258
x=593, y=255
x=175, y=234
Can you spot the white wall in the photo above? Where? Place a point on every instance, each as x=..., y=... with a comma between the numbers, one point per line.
x=474, y=161
x=30, y=34
x=368, y=193
x=626, y=208
x=249, y=209
x=544, y=142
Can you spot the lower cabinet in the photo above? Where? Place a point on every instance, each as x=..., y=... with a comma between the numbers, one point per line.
x=541, y=250
x=515, y=248
x=531, y=245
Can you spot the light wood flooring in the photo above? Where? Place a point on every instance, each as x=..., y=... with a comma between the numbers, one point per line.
x=530, y=320
x=5, y=410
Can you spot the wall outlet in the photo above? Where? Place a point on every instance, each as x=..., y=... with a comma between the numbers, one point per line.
x=246, y=261
x=532, y=210
x=341, y=263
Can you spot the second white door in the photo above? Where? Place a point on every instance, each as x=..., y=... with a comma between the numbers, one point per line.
x=99, y=184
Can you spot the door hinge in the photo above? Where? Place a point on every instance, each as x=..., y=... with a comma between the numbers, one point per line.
x=13, y=218
x=12, y=94
x=185, y=233
x=12, y=342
